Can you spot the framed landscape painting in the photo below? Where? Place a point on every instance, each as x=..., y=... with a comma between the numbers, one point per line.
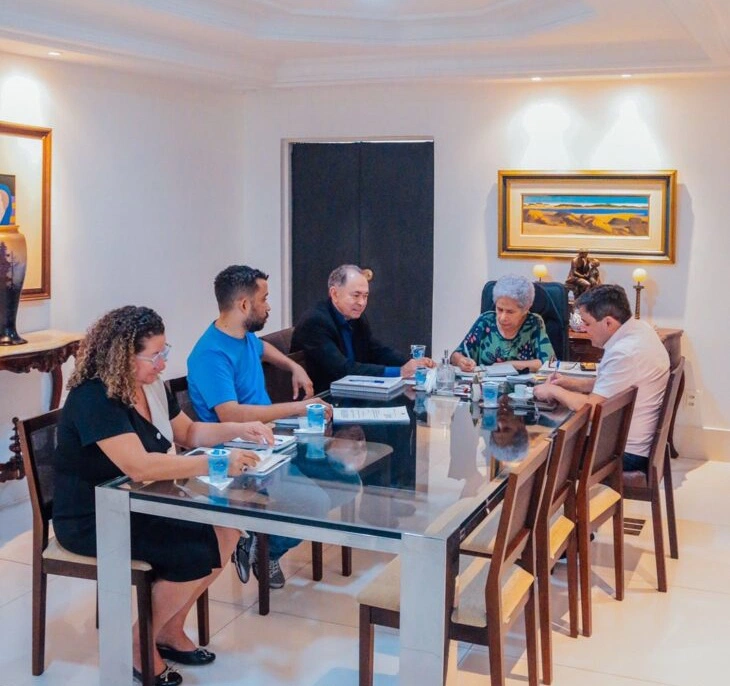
x=627, y=216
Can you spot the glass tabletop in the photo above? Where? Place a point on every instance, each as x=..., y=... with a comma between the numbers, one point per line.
x=379, y=478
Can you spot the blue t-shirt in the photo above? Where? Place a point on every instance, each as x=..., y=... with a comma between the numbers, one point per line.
x=222, y=368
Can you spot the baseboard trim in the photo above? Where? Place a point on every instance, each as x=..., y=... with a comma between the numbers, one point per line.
x=702, y=443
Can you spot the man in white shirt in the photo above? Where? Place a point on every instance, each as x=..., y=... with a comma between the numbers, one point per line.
x=633, y=356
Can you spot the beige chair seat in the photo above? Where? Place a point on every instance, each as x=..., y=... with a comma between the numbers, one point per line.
x=471, y=609
x=55, y=551
x=601, y=498
x=482, y=539
x=560, y=529
x=384, y=591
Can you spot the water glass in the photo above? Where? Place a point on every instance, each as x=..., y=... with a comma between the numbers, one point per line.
x=420, y=376
x=418, y=352
x=490, y=393
x=315, y=417
x=489, y=421
x=218, y=465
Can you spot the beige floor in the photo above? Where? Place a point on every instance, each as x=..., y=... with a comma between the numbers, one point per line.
x=310, y=637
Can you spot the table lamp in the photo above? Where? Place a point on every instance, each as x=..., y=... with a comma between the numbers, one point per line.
x=639, y=276
x=539, y=271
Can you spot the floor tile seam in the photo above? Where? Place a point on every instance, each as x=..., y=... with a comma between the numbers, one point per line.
x=7, y=559
x=312, y=619
x=4, y=603
x=639, y=682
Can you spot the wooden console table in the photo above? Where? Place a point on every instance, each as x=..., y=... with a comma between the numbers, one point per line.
x=581, y=349
x=45, y=351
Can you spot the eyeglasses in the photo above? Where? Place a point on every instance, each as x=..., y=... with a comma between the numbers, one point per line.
x=157, y=358
x=555, y=363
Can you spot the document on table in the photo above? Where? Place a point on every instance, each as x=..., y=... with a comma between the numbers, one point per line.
x=370, y=415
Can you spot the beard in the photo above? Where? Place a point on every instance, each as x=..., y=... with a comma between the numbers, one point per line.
x=254, y=323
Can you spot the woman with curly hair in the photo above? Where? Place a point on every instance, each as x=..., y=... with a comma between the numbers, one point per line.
x=118, y=419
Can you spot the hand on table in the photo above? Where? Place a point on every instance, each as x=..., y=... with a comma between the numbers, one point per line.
x=257, y=432
x=240, y=460
x=409, y=368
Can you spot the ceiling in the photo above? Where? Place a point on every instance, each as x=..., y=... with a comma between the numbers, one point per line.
x=267, y=43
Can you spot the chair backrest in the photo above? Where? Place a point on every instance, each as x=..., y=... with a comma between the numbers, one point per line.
x=278, y=381
x=38, y=440
x=562, y=475
x=514, y=540
x=667, y=415
x=551, y=303
x=603, y=458
x=179, y=389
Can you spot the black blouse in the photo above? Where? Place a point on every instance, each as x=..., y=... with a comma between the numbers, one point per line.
x=87, y=417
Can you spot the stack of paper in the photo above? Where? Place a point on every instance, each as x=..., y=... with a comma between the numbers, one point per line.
x=280, y=443
x=354, y=386
x=370, y=415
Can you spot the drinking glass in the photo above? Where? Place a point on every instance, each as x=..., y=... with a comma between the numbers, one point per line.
x=218, y=465
x=418, y=351
x=315, y=416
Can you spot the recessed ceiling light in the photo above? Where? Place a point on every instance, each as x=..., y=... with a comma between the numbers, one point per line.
x=536, y=78
x=54, y=53
x=625, y=76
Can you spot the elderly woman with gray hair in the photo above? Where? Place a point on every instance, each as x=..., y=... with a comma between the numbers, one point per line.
x=510, y=333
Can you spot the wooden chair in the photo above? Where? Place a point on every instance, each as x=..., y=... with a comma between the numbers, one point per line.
x=555, y=530
x=600, y=490
x=639, y=485
x=493, y=592
x=179, y=388
x=38, y=445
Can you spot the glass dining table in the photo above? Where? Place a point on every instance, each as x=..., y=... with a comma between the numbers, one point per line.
x=410, y=487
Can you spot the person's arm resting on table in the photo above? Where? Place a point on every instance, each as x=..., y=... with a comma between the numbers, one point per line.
x=572, y=392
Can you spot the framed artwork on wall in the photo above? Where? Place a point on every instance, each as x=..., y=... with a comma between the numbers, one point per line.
x=25, y=158
x=621, y=216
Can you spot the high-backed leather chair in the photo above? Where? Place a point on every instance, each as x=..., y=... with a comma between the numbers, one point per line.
x=551, y=303
x=278, y=381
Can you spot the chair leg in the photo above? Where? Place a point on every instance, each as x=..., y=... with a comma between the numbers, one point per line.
x=262, y=562
x=97, y=605
x=573, y=584
x=658, y=526
x=144, y=622
x=495, y=638
x=346, y=560
x=203, y=618
x=316, y=561
x=531, y=638
x=366, y=646
x=40, y=580
x=543, y=597
x=671, y=513
x=618, y=549
x=584, y=570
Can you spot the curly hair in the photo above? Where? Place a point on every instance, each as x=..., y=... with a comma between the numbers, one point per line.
x=110, y=344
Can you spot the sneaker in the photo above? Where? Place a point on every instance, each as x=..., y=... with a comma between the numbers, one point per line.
x=276, y=576
x=242, y=556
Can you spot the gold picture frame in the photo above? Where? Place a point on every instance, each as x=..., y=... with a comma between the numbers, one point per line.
x=615, y=215
x=25, y=153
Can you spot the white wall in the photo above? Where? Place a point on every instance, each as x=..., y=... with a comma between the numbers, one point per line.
x=481, y=128
x=147, y=204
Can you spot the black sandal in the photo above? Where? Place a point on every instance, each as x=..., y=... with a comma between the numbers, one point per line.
x=167, y=677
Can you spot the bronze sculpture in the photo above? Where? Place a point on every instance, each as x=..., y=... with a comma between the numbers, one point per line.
x=583, y=273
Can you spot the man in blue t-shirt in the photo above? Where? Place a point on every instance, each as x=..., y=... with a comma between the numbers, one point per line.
x=226, y=381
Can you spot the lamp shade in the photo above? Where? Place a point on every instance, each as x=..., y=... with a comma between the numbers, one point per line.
x=639, y=275
x=540, y=271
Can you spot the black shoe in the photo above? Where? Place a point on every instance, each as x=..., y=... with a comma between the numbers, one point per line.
x=241, y=557
x=276, y=576
x=198, y=656
x=167, y=677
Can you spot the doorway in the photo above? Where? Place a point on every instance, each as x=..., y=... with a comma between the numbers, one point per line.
x=370, y=204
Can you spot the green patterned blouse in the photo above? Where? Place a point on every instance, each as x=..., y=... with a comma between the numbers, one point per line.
x=485, y=345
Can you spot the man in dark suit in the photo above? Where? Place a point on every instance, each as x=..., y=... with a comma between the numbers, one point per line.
x=336, y=338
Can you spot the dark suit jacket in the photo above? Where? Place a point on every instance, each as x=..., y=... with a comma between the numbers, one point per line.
x=318, y=335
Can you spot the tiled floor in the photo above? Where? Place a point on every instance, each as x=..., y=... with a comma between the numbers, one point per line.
x=310, y=637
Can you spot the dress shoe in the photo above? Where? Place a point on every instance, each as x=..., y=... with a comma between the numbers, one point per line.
x=199, y=656
x=167, y=677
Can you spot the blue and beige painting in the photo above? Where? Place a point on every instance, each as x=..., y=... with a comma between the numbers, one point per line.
x=590, y=214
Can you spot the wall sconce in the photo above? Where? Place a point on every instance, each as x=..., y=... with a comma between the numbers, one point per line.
x=540, y=271
x=639, y=276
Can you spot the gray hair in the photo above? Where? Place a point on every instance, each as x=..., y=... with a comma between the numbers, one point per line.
x=339, y=275
x=515, y=287
x=515, y=451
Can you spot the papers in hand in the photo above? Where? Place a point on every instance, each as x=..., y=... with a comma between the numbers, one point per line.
x=280, y=443
x=370, y=415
